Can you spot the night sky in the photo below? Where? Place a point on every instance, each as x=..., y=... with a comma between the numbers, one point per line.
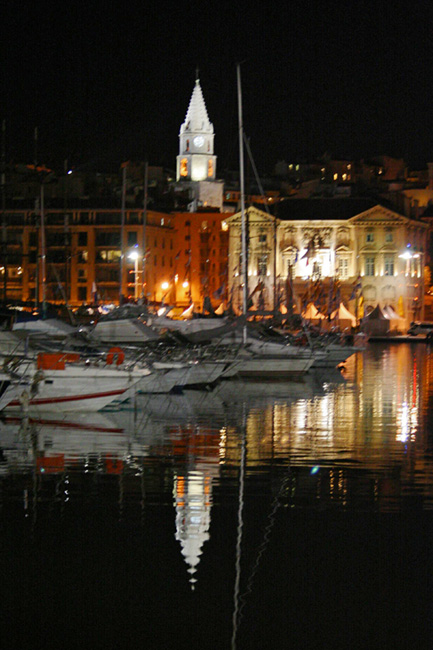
x=112, y=81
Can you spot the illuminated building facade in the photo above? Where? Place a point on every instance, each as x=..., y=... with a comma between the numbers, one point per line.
x=370, y=247
x=83, y=251
x=201, y=243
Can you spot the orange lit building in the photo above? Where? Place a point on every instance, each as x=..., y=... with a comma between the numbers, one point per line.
x=201, y=243
x=83, y=251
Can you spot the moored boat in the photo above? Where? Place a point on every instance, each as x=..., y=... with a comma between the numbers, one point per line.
x=63, y=382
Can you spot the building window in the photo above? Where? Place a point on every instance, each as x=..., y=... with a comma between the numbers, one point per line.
x=262, y=239
x=210, y=167
x=82, y=239
x=369, y=266
x=82, y=294
x=184, y=167
x=369, y=237
x=343, y=267
x=262, y=265
x=389, y=265
x=389, y=237
x=132, y=239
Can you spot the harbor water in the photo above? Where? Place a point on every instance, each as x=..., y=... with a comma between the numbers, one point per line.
x=253, y=515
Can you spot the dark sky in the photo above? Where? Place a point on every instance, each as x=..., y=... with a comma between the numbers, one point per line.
x=111, y=81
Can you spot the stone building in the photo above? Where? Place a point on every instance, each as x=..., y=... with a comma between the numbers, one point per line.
x=376, y=254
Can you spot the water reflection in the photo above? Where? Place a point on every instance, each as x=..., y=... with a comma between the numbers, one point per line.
x=350, y=437
x=230, y=466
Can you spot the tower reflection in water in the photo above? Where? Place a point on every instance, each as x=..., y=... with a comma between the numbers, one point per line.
x=356, y=439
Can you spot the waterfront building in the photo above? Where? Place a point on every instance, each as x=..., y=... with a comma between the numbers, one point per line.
x=202, y=257
x=376, y=254
x=83, y=250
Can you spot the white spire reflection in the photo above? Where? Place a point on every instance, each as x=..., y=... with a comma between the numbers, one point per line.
x=192, y=500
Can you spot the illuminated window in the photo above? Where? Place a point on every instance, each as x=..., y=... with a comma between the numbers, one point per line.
x=369, y=266
x=344, y=177
x=343, y=267
x=210, y=167
x=389, y=265
x=262, y=265
x=335, y=177
x=224, y=226
x=184, y=167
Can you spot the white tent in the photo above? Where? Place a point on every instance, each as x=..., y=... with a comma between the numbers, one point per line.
x=397, y=323
x=390, y=313
x=344, y=317
x=311, y=313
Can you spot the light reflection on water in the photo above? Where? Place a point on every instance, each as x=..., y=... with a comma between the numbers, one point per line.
x=356, y=441
x=370, y=420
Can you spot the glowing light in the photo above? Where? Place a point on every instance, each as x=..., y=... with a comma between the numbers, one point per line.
x=164, y=285
x=185, y=284
x=314, y=469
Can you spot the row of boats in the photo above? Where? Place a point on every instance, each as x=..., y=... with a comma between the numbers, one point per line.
x=47, y=366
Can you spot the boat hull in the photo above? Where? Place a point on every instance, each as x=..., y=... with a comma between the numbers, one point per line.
x=273, y=368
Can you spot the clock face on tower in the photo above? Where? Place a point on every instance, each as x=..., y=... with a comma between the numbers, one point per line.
x=199, y=141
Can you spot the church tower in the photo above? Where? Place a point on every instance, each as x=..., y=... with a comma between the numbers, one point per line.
x=196, y=160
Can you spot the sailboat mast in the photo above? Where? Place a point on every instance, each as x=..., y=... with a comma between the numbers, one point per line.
x=4, y=246
x=242, y=193
x=143, y=240
x=122, y=235
x=43, y=255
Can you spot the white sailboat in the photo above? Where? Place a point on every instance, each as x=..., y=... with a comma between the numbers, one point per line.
x=63, y=382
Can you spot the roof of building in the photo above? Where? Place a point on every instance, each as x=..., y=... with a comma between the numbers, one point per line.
x=196, y=117
x=311, y=209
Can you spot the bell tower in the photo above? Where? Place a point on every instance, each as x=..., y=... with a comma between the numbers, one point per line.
x=196, y=160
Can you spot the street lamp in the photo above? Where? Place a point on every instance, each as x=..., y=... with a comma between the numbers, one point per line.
x=134, y=255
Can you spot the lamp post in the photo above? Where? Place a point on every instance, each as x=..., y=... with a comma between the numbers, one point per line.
x=134, y=255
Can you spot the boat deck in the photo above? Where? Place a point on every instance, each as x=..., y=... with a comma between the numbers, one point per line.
x=399, y=338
